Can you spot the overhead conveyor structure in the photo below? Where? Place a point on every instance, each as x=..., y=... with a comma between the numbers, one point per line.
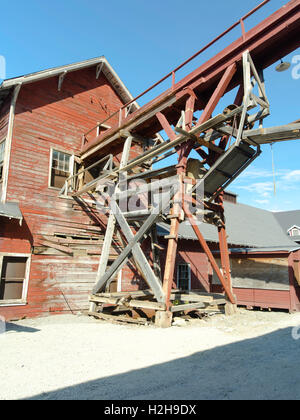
x=226, y=143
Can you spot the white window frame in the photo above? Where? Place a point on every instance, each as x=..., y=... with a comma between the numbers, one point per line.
x=23, y=300
x=3, y=140
x=190, y=274
x=72, y=165
x=291, y=230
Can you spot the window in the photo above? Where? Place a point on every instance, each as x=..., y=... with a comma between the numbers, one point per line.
x=295, y=232
x=2, y=152
x=61, y=168
x=14, y=278
x=184, y=276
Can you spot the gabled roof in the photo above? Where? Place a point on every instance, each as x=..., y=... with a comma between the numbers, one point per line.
x=246, y=226
x=106, y=68
x=293, y=227
x=288, y=220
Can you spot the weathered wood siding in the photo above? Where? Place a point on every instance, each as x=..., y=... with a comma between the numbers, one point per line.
x=267, y=273
x=265, y=281
x=4, y=120
x=46, y=118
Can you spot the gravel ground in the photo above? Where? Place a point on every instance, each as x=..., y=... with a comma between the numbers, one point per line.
x=251, y=355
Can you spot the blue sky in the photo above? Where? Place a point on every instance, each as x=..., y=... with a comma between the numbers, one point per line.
x=144, y=40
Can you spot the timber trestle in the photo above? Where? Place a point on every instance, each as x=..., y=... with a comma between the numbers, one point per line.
x=134, y=192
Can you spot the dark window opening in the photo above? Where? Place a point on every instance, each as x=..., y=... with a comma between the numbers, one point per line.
x=183, y=276
x=12, y=278
x=60, y=168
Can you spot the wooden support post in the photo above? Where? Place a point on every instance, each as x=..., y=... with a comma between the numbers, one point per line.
x=172, y=246
x=110, y=229
x=225, y=260
x=155, y=253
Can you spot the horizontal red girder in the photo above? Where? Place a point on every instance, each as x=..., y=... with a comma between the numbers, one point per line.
x=272, y=39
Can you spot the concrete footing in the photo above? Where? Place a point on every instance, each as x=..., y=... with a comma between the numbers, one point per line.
x=163, y=319
x=230, y=309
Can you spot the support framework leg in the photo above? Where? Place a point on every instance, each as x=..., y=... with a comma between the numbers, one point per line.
x=111, y=225
x=172, y=246
x=209, y=255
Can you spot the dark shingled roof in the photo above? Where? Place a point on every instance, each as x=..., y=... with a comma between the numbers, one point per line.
x=247, y=227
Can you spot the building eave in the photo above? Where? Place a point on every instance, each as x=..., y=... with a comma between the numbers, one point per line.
x=107, y=70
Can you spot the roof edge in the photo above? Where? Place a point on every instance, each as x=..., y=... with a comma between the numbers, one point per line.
x=107, y=69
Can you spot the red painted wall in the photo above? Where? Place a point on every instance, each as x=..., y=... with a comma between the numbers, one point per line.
x=46, y=118
x=262, y=298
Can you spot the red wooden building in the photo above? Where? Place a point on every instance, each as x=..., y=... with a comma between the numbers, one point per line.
x=264, y=261
x=50, y=245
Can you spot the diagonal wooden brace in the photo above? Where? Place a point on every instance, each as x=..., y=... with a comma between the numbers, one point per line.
x=121, y=260
x=140, y=257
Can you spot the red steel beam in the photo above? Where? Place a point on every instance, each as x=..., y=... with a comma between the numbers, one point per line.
x=210, y=107
x=267, y=42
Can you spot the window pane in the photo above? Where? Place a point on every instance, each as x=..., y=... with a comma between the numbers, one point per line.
x=60, y=168
x=183, y=281
x=12, y=278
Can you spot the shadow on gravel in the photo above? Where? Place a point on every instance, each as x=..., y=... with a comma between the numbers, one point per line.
x=266, y=367
x=10, y=326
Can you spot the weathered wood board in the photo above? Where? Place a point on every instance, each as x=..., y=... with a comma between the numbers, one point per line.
x=268, y=273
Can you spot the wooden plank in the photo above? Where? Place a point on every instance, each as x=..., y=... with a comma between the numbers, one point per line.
x=191, y=298
x=56, y=246
x=218, y=302
x=153, y=173
x=273, y=134
x=199, y=140
x=115, y=318
x=143, y=304
x=136, y=294
x=188, y=307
